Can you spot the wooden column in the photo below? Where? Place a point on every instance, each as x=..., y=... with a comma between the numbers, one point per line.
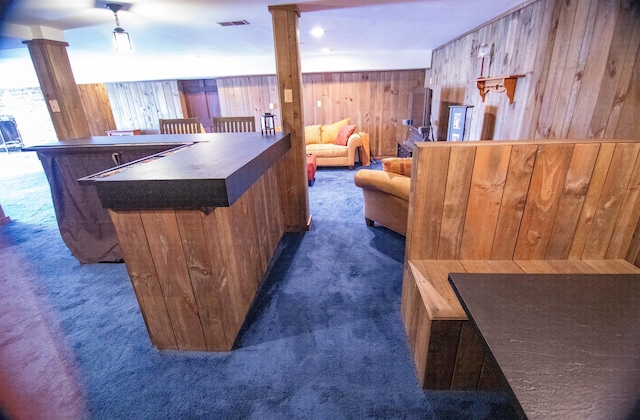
x=295, y=197
x=59, y=88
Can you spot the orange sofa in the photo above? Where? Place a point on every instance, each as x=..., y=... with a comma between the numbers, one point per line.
x=386, y=193
x=337, y=144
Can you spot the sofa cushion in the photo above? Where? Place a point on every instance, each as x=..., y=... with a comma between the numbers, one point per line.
x=312, y=134
x=343, y=135
x=328, y=133
x=400, y=166
x=327, y=150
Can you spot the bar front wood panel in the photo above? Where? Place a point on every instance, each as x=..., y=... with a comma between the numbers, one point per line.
x=195, y=275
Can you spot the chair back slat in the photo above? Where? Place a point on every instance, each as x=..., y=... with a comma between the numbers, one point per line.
x=180, y=126
x=234, y=124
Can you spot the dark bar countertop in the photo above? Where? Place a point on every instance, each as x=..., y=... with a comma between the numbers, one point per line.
x=207, y=170
x=99, y=143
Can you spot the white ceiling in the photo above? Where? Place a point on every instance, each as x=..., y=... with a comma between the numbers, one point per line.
x=181, y=39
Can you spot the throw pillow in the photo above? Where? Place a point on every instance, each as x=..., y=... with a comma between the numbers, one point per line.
x=328, y=133
x=312, y=134
x=400, y=166
x=343, y=135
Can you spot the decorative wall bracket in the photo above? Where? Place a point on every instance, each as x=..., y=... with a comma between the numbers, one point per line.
x=498, y=84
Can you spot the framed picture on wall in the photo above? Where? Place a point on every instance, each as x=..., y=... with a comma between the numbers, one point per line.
x=459, y=120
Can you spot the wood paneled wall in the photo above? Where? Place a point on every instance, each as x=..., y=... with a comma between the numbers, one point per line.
x=375, y=101
x=97, y=107
x=580, y=61
x=249, y=95
x=142, y=104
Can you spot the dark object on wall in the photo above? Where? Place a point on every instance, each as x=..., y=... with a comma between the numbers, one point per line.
x=9, y=135
x=459, y=121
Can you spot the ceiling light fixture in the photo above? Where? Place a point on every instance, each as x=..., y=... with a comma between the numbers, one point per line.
x=317, y=32
x=121, y=38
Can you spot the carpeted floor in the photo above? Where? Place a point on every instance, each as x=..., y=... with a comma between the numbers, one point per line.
x=324, y=338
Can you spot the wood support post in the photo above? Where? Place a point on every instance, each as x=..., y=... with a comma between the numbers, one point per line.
x=59, y=88
x=293, y=175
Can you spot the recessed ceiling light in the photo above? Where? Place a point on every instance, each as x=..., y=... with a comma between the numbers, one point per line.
x=326, y=50
x=317, y=32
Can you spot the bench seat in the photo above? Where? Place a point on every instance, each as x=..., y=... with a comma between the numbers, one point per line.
x=447, y=352
x=526, y=206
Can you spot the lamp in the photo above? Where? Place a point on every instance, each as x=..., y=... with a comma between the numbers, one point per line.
x=483, y=51
x=267, y=123
x=121, y=38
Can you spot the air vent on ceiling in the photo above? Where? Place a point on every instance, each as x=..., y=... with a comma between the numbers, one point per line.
x=234, y=23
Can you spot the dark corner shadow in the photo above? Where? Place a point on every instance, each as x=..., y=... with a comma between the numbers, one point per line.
x=388, y=242
x=278, y=267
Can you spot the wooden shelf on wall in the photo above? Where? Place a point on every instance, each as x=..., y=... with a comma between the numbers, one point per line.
x=498, y=84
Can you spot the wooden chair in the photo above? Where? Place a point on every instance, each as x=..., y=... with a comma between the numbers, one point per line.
x=181, y=126
x=233, y=124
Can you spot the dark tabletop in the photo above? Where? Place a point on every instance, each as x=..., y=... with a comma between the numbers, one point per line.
x=568, y=345
x=209, y=170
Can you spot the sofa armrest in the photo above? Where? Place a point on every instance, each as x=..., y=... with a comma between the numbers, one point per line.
x=353, y=143
x=361, y=140
x=387, y=182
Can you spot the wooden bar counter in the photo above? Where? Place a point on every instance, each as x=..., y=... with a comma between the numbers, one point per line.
x=198, y=226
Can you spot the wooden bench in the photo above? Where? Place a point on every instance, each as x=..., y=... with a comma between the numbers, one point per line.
x=563, y=206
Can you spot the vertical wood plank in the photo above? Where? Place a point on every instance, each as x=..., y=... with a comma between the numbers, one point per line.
x=443, y=349
x=417, y=324
x=612, y=198
x=624, y=36
x=96, y=104
x=513, y=200
x=163, y=237
x=455, y=202
x=547, y=181
x=426, y=201
x=585, y=221
x=622, y=123
x=573, y=195
x=594, y=70
x=144, y=278
x=206, y=280
x=485, y=198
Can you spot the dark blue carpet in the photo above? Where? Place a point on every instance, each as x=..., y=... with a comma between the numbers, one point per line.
x=323, y=340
